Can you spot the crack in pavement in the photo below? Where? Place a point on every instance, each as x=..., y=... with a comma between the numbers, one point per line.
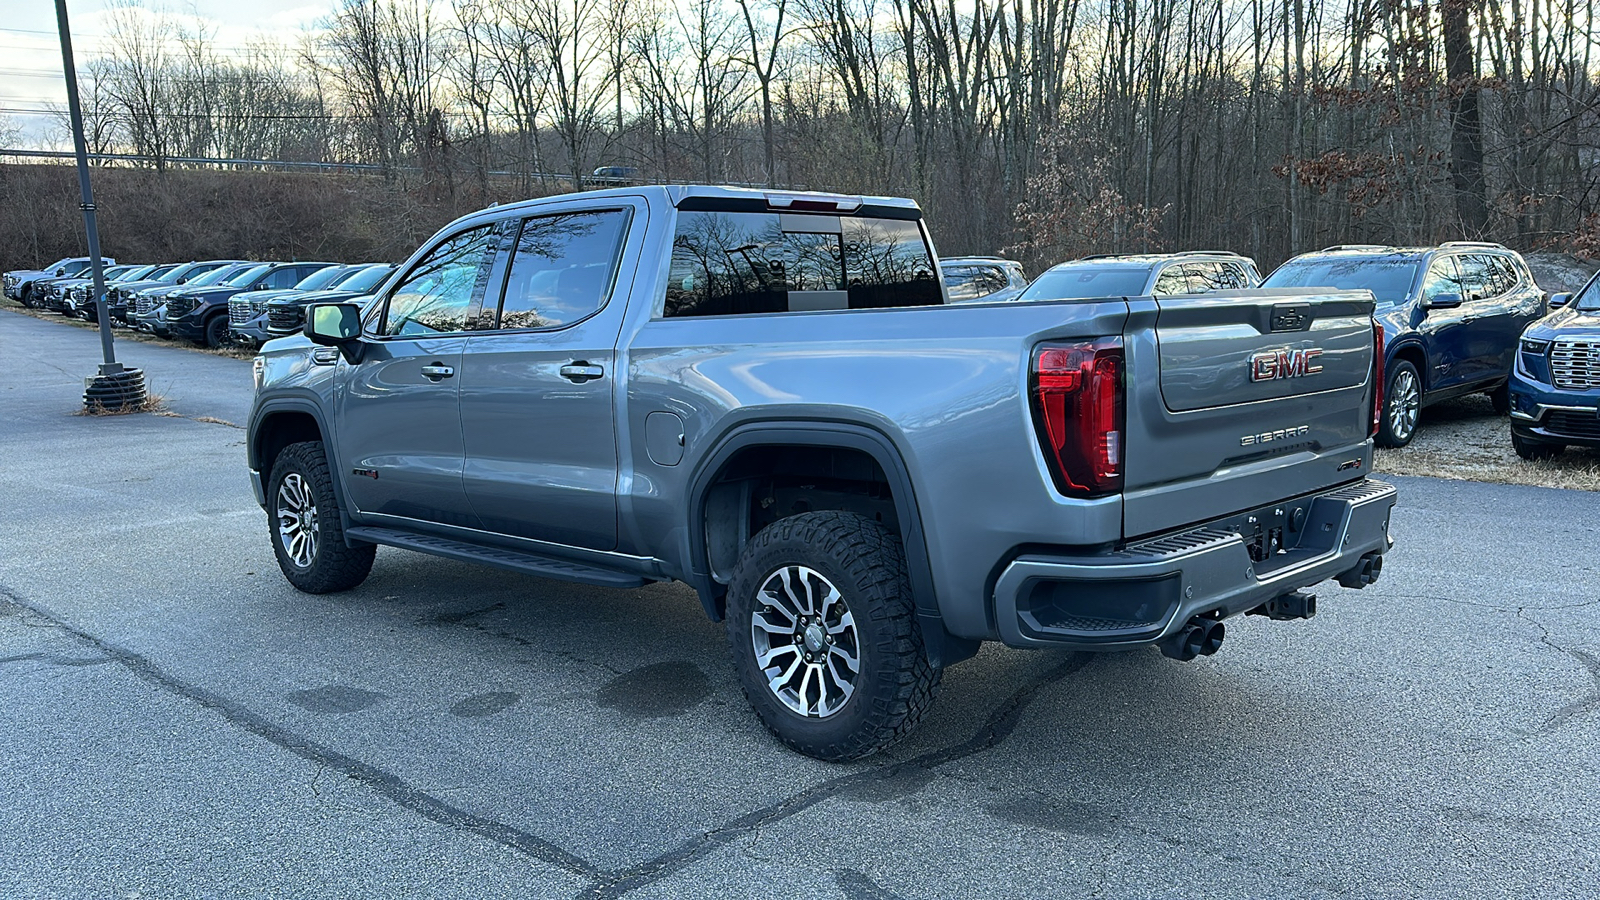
x=385, y=784
x=1583, y=705
x=1000, y=724
x=56, y=659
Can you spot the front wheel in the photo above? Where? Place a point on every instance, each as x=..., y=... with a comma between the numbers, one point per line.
x=1500, y=400
x=1402, y=406
x=825, y=635
x=217, y=331
x=307, y=535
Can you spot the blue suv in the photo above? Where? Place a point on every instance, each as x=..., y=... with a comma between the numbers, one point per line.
x=1555, y=387
x=1451, y=317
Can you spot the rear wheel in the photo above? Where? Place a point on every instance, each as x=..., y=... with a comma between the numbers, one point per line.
x=1402, y=406
x=307, y=535
x=825, y=635
x=1530, y=449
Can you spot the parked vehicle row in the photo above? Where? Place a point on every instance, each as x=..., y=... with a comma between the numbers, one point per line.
x=210, y=302
x=1454, y=317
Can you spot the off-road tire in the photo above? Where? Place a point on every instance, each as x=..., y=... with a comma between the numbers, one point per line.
x=895, y=685
x=1500, y=400
x=1393, y=382
x=334, y=565
x=1534, y=450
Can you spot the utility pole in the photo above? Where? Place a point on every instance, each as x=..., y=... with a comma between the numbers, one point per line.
x=113, y=387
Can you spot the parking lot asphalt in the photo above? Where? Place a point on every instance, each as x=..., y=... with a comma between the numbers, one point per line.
x=179, y=722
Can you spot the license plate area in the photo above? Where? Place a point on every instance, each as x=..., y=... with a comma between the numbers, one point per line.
x=1269, y=531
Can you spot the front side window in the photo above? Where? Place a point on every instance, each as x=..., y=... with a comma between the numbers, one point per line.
x=561, y=269
x=1173, y=280
x=1444, y=277
x=321, y=278
x=438, y=293
x=732, y=263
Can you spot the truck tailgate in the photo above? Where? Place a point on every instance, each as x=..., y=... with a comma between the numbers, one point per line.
x=1240, y=399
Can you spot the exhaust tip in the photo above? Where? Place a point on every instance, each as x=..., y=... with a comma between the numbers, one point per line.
x=1200, y=637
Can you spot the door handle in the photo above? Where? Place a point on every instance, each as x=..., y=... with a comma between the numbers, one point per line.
x=436, y=372
x=580, y=371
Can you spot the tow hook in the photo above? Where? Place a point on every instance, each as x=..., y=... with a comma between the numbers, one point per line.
x=1364, y=572
x=1201, y=636
x=1293, y=605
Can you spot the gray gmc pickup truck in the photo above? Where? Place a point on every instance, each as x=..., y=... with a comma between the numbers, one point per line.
x=765, y=396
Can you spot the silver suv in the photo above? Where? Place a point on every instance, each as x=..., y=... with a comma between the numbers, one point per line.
x=1145, y=275
x=990, y=279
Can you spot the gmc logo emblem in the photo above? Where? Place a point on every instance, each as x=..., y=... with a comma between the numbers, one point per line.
x=1274, y=364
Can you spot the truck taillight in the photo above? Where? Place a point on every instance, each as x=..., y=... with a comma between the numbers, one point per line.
x=1078, y=413
x=1377, y=378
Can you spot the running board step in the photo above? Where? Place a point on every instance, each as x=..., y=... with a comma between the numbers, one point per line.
x=500, y=557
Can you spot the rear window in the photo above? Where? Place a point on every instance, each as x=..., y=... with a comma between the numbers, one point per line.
x=1389, y=280
x=734, y=263
x=1086, y=282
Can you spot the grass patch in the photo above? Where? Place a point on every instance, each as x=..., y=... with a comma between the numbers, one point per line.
x=1463, y=439
x=153, y=403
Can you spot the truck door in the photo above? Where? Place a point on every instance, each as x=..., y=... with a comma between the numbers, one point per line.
x=399, y=423
x=538, y=378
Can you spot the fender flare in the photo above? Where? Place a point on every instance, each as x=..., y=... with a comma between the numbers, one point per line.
x=942, y=648
x=269, y=408
x=1392, y=351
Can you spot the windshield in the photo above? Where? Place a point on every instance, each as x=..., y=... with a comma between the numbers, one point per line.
x=1588, y=299
x=168, y=273
x=321, y=278
x=211, y=277
x=1389, y=280
x=364, y=279
x=135, y=273
x=1071, y=282
x=240, y=279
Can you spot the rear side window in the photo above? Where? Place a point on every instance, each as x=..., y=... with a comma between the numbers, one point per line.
x=1503, y=275
x=972, y=282
x=733, y=263
x=439, y=291
x=561, y=269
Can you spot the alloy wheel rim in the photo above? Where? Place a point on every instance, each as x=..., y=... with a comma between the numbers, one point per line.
x=805, y=642
x=297, y=520
x=1405, y=407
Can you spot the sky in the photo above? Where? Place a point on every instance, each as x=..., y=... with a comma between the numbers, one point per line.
x=30, y=52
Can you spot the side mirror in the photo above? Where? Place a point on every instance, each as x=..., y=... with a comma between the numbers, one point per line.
x=336, y=325
x=1442, y=301
x=61, y=272
x=1559, y=300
